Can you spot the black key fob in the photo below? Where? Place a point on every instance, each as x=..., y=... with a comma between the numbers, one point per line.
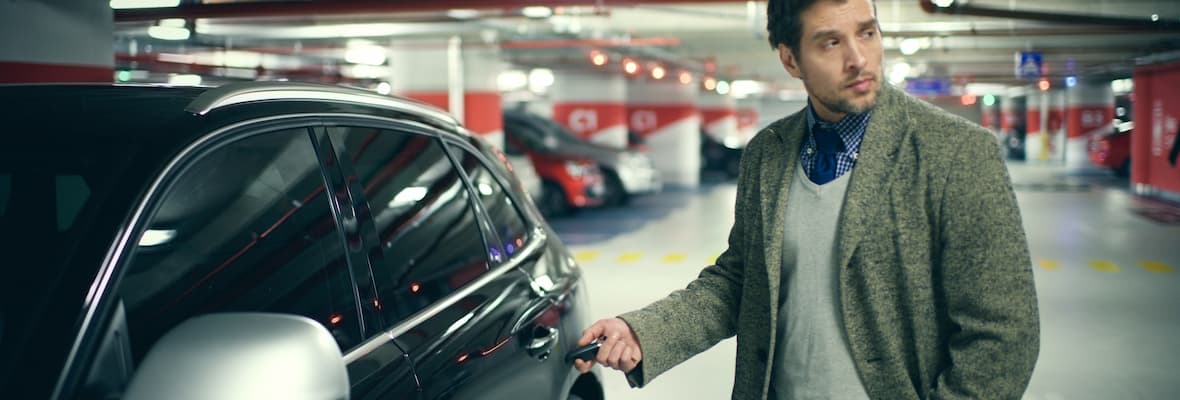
x=584, y=353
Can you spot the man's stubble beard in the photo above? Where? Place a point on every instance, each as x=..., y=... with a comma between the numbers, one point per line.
x=843, y=105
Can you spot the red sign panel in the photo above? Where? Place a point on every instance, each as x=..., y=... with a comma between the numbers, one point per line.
x=646, y=119
x=1084, y=120
x=1155, y=142
x=588, y=119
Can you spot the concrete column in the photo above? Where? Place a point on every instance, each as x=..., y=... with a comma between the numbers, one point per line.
x=1089, y=113
x=747, y=120
x=719, y=117
x=591, y=104
x=56, y=41
x=1046, y=126
x=665, y=113
x=430, y=71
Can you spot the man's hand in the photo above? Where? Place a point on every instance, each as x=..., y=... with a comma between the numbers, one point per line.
x=619, y=348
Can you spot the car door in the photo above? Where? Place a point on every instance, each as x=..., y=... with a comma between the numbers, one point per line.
x=246, y=221
x=530, y=362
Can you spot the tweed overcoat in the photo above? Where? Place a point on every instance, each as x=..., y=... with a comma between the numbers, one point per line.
x=936, y=287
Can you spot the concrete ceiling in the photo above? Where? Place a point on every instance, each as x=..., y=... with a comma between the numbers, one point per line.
x=729, y=35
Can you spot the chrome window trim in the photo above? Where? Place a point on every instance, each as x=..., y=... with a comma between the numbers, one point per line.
x=246, y=92
x=117, y=252
x=434, y=309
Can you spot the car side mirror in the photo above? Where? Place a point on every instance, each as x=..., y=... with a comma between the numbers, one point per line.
x=243, y=356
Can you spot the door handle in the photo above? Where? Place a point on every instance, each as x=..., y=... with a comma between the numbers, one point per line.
x=542, y=342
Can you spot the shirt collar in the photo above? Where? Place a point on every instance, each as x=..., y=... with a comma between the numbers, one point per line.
x=851, y=128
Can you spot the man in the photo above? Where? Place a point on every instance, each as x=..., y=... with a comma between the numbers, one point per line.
x=877, y=250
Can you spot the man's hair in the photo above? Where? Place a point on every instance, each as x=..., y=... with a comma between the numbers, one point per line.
x=785, y=23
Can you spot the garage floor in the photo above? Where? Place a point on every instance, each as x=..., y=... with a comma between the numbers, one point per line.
x=1105, y=263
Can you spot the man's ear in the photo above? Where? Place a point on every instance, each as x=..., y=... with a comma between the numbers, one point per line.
x=788, y=59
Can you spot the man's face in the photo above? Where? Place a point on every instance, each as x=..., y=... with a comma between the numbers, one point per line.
x=839, y=57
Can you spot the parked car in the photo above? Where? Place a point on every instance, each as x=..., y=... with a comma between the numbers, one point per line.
x=718, y=156
x=626, y=173
x=1113, y=149
x=568, y=182
x=271, y=240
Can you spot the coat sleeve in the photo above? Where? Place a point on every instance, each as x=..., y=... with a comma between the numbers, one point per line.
x=986, y=279
x=691, y=320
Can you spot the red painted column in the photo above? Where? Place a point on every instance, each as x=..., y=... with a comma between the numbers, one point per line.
x=1089, y=113
x=591, y=104
x=719, y=118
x=55, y=41
x=1155, y=143
x=747, y=120
x=421, y=71
x=665, y=113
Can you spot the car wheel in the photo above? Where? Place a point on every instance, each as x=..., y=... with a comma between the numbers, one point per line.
x=733, y=167
x=553, y=201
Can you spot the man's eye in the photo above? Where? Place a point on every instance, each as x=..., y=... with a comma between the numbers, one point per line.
x=831, y=43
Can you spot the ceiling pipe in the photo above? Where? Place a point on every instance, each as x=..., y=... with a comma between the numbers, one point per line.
x=960, y=7
x=550, y=44
x=359, y=7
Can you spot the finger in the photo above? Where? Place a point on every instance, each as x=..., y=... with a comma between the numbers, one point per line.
x=625, y=358
x=616, y=354
x=604, y=352
x=583, y=366
x=591, y=333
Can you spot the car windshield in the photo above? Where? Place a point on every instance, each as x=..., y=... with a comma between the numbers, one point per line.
x=49, y=208
x=552, y=128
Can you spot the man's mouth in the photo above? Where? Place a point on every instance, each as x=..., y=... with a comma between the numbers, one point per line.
x=861, y=85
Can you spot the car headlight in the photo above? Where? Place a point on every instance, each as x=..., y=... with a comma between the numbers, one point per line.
x=733, y=142
x=636, y=160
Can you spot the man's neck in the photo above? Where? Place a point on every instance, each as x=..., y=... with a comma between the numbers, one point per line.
x=824, y=114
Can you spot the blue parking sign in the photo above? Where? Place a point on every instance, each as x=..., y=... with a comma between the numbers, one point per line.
x=1029, y=64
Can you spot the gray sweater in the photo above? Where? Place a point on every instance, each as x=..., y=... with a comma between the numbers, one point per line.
x=812, y=360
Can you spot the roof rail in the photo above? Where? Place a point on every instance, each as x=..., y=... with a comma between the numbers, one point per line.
x=245, y=92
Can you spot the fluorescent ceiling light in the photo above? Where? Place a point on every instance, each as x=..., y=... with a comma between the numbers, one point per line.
x=184, y=80
x=511, y=80
x=121, y=4
x=463, y=13
x=899, y=72
x=909, y=46
x=537, y=12
x=744, y=88
x=367, y=54
x=540, y=79
x=944, y=3
x=156, y=237
x=168, y=33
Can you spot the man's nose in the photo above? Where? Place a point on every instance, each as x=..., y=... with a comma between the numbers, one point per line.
x=854, y=58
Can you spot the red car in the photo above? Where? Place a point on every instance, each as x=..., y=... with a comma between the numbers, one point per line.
x=569, y=183
x=1113, y=150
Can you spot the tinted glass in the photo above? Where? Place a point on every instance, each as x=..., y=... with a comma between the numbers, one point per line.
x=5, y=192
x=247, y=227
x=429, y=238
x=503, y=212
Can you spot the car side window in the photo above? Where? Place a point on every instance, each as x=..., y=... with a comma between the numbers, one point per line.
x=429, y=237
x=503, y=211
x=246, y=227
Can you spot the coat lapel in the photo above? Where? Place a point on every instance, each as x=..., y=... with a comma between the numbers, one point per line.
x=778, y=168
x=870, y=178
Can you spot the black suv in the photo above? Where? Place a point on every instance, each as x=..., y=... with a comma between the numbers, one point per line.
x=271, y=240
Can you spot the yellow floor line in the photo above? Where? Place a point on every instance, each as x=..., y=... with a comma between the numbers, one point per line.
x=1155, y=266
x=1104, y=266
x=630, y=257
x=586, y=256
x=1051, y=265
x=674, y=258
x=713, y=259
